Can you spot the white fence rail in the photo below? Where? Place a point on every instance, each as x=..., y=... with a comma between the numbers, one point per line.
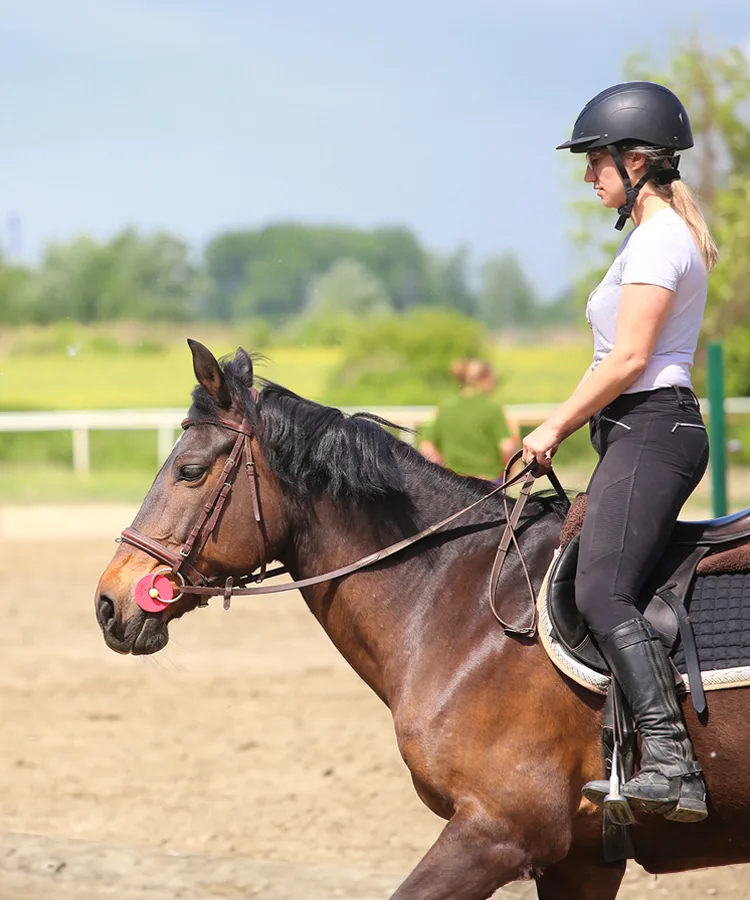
x=166, y=422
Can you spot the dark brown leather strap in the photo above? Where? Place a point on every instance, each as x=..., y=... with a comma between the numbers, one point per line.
x=143, y=542
x=252, y=475
x=692, y=661
x=508, y=537
x=213, y=506
x=181, y=565
x=365, y=561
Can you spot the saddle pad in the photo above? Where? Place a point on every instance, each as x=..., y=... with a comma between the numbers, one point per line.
x=719, y=608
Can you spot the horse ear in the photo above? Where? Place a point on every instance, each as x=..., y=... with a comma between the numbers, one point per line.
x=209, y=374
x=243, y=365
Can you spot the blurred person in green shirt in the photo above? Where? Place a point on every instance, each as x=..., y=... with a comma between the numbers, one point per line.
x=470, y=433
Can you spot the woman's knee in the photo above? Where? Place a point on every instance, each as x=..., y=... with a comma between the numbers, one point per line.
x=601, y=606
x=589, y=604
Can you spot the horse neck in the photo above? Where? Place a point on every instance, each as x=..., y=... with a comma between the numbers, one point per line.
x=355, y=610
x=377, y=617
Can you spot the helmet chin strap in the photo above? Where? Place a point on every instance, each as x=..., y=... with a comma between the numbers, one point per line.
x=656, y=172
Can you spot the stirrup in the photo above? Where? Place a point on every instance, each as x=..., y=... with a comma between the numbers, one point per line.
x=608, y=795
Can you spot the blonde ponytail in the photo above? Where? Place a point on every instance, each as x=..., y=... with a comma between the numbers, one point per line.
x=683, y=203
x=681, y=199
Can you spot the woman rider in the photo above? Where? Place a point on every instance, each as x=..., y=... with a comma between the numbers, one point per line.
x=644, y=419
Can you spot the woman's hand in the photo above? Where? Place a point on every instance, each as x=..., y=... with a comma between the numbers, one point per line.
x=541, y=445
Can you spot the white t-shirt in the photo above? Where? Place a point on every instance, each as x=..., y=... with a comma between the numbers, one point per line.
x=661, y=251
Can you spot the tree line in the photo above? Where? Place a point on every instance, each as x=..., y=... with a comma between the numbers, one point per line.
x=320, y=281
x=276, y=274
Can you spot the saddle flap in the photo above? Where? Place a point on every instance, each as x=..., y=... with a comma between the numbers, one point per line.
x=566, y=620
x=674, y=575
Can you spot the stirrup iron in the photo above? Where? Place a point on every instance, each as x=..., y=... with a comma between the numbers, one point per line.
x=615, y=804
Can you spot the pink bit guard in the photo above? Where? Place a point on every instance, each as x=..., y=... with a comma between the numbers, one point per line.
x=143, y=596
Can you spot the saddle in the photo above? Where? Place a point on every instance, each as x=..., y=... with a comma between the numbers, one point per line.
x=714, y=547
x=700, y=588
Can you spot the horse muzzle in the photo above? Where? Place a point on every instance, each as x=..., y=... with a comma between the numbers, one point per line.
x=141, y=634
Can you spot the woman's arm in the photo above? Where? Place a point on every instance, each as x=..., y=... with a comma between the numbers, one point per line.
x=643, y=311
x=586, y=375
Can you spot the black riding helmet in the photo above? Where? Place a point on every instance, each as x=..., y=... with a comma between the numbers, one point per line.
x=631, y=114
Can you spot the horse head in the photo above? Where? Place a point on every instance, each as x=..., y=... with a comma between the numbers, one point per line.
x=214, y=511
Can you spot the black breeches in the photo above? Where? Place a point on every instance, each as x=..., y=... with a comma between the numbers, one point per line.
x=653, y=452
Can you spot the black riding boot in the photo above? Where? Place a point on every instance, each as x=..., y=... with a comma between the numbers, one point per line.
x=668, y=780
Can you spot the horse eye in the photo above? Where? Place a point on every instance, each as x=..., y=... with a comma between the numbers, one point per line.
x=191, y=473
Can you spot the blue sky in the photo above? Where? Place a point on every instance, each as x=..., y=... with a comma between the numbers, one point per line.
x=202, y=116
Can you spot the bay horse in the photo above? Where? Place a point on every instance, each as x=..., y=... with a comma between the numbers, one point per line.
x=497, y=740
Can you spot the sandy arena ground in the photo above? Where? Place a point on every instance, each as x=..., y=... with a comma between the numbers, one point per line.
x=246, y=760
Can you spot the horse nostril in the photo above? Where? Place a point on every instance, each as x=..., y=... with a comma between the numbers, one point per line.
x=105, y=610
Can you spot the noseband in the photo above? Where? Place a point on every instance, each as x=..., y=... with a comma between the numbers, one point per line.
x=179, y=565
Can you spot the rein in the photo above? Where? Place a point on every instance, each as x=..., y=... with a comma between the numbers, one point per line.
x=152, y=589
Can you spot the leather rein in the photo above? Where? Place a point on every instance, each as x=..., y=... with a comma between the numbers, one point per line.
x=179, y=565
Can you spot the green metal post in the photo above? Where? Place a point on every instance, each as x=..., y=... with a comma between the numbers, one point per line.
x=716, y=429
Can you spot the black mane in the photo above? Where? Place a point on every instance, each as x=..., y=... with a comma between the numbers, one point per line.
x=354, y=460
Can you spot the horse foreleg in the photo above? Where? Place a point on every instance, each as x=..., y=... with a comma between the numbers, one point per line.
x=472, y=858
x=580, y=877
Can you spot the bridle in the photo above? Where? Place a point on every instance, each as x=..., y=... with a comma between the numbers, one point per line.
x=179, y=565
x=190, y=581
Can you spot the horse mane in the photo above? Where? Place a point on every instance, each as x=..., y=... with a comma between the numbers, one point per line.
x=354, y=460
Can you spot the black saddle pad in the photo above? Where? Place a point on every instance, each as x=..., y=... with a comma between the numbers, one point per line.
x=718, y=606
x=719, y=609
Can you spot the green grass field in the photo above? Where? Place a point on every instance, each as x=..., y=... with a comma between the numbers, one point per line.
x=128, y=379
x=50, y=483
x=132, y=366
x=122, y=368
x=544, y=372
